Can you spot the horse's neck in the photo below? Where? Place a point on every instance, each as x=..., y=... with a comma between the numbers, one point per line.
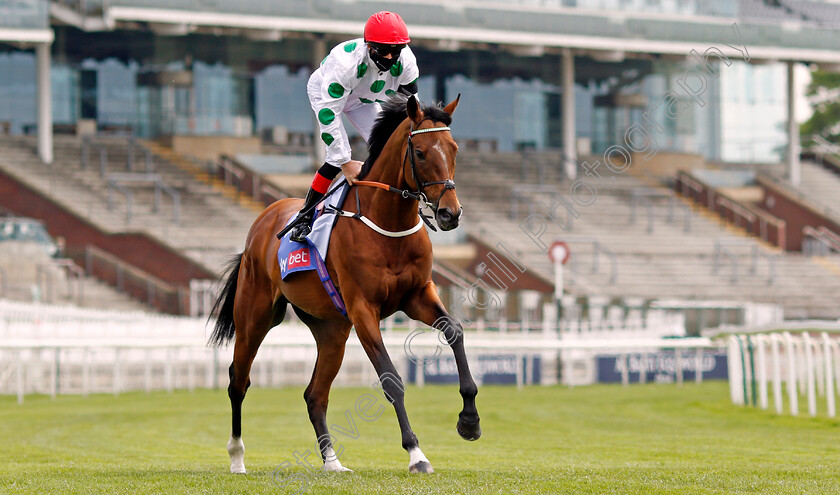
x=390, y=210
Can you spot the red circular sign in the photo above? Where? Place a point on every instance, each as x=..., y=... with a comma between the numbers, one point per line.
x=559, y=250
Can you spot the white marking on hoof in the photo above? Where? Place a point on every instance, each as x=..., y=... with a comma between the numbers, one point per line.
x=418, y=463
x=236, y=449
x=332, y=464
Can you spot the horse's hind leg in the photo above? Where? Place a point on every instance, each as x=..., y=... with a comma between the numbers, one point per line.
x=330, y=336
x=253, y=315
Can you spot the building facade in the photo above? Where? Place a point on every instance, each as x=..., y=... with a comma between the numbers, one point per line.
x=223, y=67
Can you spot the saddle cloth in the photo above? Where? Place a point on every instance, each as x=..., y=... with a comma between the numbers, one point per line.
x=299, y=257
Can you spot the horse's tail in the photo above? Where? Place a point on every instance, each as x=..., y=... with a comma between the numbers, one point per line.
x=223, y=307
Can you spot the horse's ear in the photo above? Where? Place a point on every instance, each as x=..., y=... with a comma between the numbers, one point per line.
x=412, y=108
x=450, y=109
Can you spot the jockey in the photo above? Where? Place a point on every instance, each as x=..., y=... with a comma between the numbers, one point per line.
x=352, y=80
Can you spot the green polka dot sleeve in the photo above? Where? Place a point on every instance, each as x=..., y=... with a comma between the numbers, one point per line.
x=338, y=79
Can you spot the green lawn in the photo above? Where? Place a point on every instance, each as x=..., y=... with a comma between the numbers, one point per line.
x=600, y=439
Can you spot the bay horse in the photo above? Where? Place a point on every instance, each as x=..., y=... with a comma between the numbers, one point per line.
x=412, y=153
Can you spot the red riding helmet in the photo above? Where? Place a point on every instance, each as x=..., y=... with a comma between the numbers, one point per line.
x=386, y=28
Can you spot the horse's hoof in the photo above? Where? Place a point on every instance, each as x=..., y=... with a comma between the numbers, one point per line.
x=421, y=467
x=236, y=449
x=469, y=431
x=330, y=467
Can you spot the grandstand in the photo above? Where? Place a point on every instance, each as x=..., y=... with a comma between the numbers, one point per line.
x=668, y=251
x=140, y=152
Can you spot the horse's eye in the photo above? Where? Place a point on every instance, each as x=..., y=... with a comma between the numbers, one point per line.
x=418, y=154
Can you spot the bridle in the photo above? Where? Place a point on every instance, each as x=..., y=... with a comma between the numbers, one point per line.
x=418, y=195
x=421, y=185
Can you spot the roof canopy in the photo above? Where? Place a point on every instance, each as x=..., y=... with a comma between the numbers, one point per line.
x=795, y=30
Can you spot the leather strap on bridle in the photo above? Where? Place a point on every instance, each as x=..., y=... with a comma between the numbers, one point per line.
x=419, y=194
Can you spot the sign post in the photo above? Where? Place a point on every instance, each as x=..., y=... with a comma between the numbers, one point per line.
x=559, y=254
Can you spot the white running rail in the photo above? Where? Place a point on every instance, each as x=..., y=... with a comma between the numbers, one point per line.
x=807, y=364
x=54, y=350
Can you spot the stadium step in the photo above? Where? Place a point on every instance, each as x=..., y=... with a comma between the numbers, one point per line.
x=665, y=263
x=202, y=175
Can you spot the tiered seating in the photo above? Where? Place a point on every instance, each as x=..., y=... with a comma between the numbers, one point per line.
x=667, y=262
x=211, y=226
x=28, y=273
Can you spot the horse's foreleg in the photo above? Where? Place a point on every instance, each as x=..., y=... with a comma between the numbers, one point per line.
x=252, y=317
x=331, y=338
x=427, y=307
x=366, y=321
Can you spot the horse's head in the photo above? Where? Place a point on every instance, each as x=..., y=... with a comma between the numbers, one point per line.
x=431, y=152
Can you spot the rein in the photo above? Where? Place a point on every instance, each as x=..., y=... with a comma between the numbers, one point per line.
x=417, y=195
x=404, y=193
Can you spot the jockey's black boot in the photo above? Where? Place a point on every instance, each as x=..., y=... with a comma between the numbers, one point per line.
x=303, y=227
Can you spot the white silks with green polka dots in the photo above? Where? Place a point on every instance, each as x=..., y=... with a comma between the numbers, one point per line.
x=348, y=82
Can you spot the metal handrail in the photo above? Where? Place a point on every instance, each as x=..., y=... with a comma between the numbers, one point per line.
x=157, y=181
x=154, y=287
x=87, y=144
x=720, y=250
x=597, y=249
x=829, y=234
x=687, y=181
x=521, y=193
x=232, y=169
x=643, y=195
x=129, y=199
x=229, y=172
x=176, y=199
x=738, y=211
x=46, y=281
x=450, y=275
x=755, y=253
x=530, y=158
x=758, y=218
x=272, y=191
x=828, y=240
x=147, y=153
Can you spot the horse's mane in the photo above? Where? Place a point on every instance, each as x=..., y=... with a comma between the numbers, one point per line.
x=392, y=115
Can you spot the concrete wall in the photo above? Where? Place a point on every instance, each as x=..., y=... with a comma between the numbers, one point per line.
x=664, y=163
x=794, y=212
x=212, y=147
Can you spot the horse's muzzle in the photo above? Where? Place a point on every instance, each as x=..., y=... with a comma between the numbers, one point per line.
x=448, y=219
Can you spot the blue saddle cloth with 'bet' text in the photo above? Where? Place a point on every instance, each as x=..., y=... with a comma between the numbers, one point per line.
x=299, y=256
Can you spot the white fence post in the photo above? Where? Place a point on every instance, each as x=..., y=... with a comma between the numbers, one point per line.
x=761, y=371
x=698, y=365
x=86, y=356
x=775, y=342
x=20, y=379
x=54, y=370
x=735, y=367
x=829, y=375
x=791, y=369
x=117, y=373
x=809, y=374
x=147, y=372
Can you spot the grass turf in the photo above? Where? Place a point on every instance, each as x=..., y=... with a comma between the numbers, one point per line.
x=599, y=439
